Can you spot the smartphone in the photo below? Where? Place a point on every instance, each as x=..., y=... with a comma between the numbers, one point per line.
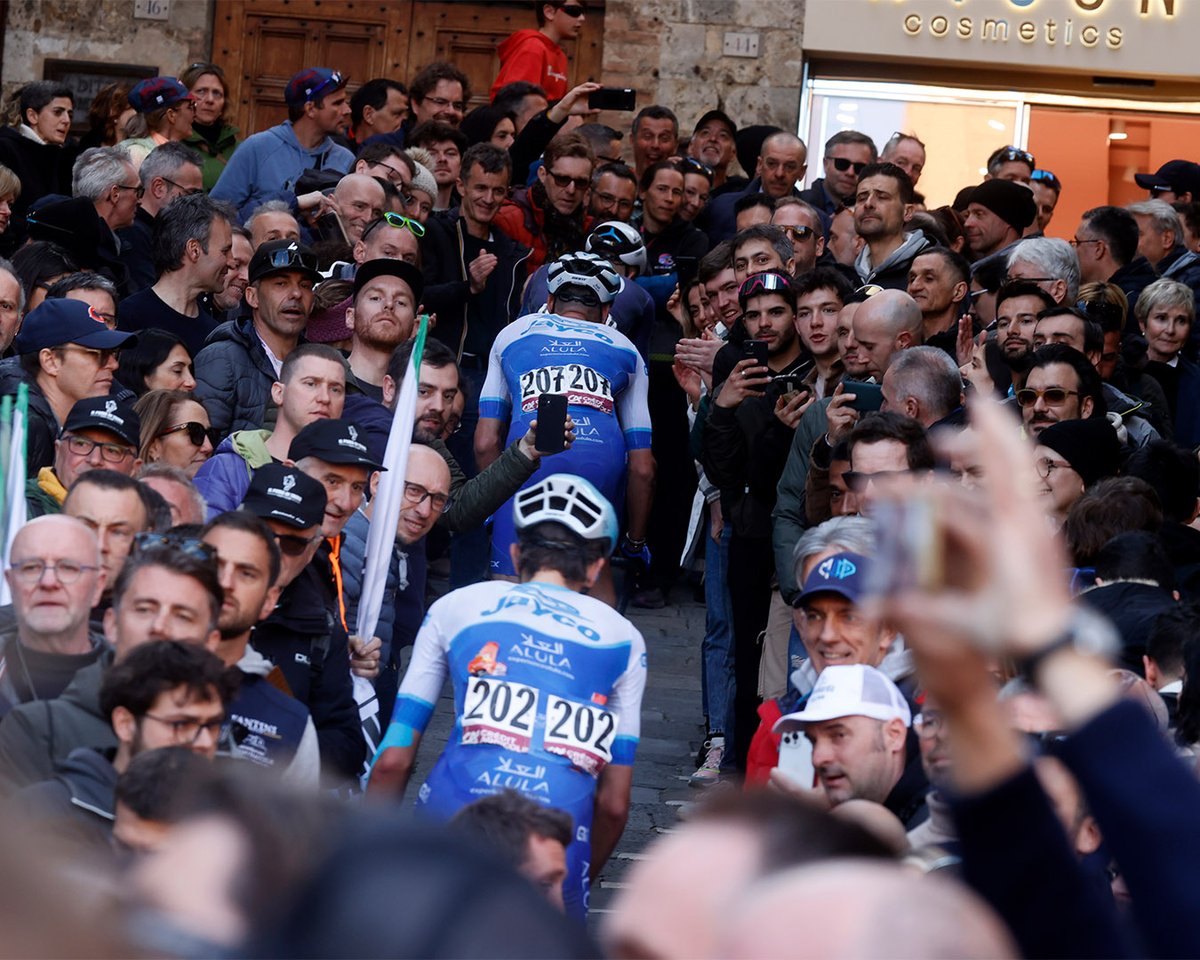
x=909, y=553
x=756, y=349
x=329, y=228
x=613, y=98
x=868, y=397
x=685, y=270
x=551, y=423
x=795, y=757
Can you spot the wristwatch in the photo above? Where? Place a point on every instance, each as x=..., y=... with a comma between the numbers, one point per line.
x=1087, y=632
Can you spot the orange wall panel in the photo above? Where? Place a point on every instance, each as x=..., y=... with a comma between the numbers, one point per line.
x=1074, y=145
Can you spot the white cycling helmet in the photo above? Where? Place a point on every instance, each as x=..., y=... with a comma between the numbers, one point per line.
x=617, y=241
x=584, y=270
x=572, y=501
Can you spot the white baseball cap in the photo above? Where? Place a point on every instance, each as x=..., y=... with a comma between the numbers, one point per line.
x=850, y=690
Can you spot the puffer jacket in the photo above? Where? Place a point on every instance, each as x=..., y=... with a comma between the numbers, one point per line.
x=234, y=377
x=225, y=477
x=354, y=562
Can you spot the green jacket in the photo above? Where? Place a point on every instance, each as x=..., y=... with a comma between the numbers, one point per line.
x=215, y=156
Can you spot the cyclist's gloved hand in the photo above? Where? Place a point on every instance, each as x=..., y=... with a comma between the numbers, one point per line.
x=636, y=552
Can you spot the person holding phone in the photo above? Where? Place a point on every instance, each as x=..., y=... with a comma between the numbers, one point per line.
x=744, y=446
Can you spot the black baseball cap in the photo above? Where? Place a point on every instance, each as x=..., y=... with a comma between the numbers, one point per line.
x=280, y=256
x=391, y=268
x=61, y=321
x=1178, y=176
x=104, y=413
x=334, y=441
x=286, y=494
x=719, y=115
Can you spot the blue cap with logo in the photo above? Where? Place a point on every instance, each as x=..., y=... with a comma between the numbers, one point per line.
x=312, y=83
x=61, y=321
x=844, y=574
x=158, y=92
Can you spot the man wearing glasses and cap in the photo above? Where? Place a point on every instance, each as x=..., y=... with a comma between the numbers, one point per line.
x=65, y=353
x=300, y=636
x=100, y=434
x=267, y=165
x=244, y=357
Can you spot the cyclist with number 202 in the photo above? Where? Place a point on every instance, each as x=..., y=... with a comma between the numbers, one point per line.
x=547, y=683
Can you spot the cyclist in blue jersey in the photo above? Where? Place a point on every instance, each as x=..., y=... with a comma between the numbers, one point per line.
x=571, y=350
x=547, y=684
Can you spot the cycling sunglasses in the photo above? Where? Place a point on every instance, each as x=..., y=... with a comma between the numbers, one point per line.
x=188, y=545
x=763, y=283
x=1011, y=153
x=1046, y=177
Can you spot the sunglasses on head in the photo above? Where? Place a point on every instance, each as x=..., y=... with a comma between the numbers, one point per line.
x=845, y=163
x=763, y=283
x=292, y=256
x=196, y=432
x=1010, y=153
x=335, y=80
x=1046, y=177
x=399, y=221
x=1099, y=310
x=692, y=165
x=189, y=545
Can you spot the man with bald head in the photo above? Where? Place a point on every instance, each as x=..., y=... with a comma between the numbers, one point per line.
x=864, y=909
x=358, y=200
x=781, y=164
x=881, y=327
x=55, y=578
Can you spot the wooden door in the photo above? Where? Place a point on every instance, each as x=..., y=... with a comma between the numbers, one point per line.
x=262, y=43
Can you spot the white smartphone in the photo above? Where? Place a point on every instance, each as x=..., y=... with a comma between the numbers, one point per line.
x=795, y=757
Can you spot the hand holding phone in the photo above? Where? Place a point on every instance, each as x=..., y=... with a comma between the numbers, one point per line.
x=868, y=397
x=613, y=98
x=756, y=350
x=551, y=423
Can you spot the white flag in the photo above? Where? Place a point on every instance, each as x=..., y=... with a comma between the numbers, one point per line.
x=14, y=487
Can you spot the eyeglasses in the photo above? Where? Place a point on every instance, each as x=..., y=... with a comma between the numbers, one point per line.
x=1076, y=242
x=609, y=200
x=858, y=482
x=197, y=432
x=692, y=165
x=397, y=220
x=188, y=731
x=103, y=356
x=1010, y=153
x=845, y=163
x=562, y=182
x=188, y=545
x=928, y=724
x=334, y=80
x=138, y=189
x=799, y=234
x=763, y=283
x=1046, y=177
x=415, y=495
x=391, y=169
x=65, y=572
x=457, y=105
x=900, y=135
x=1011, y=279
x=186, y=191
x=83, y=447
x=572, y=9
x=1054, y=396
x=292, y=545
x=1045, y=466
x=293, y=256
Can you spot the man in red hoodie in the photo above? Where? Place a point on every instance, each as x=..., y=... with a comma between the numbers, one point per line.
x=535, y=55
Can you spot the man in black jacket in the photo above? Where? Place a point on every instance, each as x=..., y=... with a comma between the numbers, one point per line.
x=745, y=445
x=884, y=203
x=303, y=636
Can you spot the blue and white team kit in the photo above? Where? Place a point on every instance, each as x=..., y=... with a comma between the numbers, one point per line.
x=548, y=689
x=606, y=384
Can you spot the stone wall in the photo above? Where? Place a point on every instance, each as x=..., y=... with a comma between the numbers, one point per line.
x=103, y=31
x=671, y=52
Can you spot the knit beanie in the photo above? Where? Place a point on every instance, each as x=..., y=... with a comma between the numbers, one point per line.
x=1011, y=202
x=1089, y=446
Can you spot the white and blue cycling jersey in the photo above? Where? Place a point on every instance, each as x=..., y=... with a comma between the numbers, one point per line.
x=606, y=383
x=547, y=692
